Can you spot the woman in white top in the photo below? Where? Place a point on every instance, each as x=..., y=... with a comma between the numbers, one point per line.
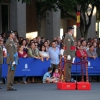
x=43, y=53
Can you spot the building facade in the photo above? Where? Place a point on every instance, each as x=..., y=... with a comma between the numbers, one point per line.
x=18, y=17
x=23, y=18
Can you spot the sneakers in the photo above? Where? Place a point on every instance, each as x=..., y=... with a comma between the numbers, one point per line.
x=12, y=89
x=72, y=80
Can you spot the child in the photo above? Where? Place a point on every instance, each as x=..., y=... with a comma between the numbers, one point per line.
x=47, y=77
x=56, y=75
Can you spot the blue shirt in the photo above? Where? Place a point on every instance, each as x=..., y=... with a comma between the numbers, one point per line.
x=47, y=74
x=54, y=55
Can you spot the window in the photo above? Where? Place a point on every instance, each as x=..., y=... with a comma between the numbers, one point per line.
x=4, y=17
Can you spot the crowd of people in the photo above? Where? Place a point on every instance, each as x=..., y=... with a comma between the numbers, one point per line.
x=40, y=48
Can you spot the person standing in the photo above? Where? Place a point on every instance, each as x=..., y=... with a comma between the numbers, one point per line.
x=34, y=53
x=54, y=54
x=91, y=52
x=1, y=60
x=69, y=52
x=12, y=60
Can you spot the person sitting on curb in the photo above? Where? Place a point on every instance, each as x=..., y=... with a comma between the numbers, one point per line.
x=47, y=77
x=56, y=75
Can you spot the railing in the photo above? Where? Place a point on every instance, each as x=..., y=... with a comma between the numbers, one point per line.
x=81, y=62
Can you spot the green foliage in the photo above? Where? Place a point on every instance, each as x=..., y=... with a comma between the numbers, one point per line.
x=68, y=8
x=66, y=5
x=2, y=0
x=45, y=5
x=23, y=1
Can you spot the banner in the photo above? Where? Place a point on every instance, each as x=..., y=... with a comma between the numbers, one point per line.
x=35, y=67
x=93, y=67
x=28, y=67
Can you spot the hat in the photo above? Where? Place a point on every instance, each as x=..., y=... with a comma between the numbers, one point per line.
x=70, y=27
x=10, y=32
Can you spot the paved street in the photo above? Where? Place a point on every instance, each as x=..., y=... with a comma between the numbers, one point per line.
x=48, y=92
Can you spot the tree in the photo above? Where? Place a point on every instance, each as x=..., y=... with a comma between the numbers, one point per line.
x=42, y=7
x=23, y=1
x=69, y=8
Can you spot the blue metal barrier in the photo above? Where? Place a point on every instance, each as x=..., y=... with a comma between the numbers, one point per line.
x=28, y=67
x=35, y=67
x=93, y=67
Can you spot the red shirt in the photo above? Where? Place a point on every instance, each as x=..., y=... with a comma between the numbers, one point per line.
x=80, y=53
x=20, y=55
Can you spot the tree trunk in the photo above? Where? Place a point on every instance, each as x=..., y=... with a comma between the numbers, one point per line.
x=82, y=26
x=39, y=25
x=85, y=22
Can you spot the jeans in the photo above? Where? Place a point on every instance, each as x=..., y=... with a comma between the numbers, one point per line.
x=54, y=66
x=24, y=79
x=0, y=73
